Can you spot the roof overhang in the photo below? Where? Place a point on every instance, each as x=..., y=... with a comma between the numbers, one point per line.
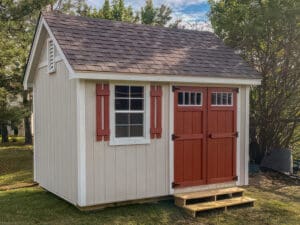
x=35, y=49
x=164, y=78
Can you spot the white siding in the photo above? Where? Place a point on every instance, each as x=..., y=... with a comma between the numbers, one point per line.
x=55, y=144
x=118, y=173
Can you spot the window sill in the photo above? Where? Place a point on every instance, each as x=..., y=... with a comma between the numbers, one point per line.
x=129, y=141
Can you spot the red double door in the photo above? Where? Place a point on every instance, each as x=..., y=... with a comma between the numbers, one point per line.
x=204, y=135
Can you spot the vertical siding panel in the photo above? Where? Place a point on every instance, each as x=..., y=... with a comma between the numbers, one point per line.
x=131, y=173
x=141, y=172
x=151, y=168
x=110, y=173
x=121, y=179
x=125, y=172
x=55, y=131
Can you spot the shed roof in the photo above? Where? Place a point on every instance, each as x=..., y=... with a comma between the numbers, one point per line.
x=97, y=45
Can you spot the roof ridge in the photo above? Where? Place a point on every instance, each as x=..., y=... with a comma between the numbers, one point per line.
x=55, y=12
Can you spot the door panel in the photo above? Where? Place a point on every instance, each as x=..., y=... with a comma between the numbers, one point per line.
x=189, y=137
x=221, y=141
x=204, y=135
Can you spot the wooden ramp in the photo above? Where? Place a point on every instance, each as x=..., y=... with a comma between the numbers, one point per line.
x=219, y=199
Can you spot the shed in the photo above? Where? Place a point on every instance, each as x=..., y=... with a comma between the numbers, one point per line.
x=127, y=111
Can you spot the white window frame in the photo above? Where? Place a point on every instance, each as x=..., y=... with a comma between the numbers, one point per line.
x=194, y=105
x=51, y=56
x=221, y=92
x=130, y=140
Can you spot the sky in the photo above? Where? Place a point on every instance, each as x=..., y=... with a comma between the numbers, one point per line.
x=190, y=11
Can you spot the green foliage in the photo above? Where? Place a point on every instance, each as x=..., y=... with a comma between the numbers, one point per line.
x=267, y=33
x=116, y=10
x=148, y=13
x=17, y=25
x=155, y=16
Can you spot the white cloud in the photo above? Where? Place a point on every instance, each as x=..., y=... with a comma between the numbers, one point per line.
x=178, y=3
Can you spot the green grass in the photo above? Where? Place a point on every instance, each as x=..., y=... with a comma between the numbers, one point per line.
x=15, y=165
x=278, y=202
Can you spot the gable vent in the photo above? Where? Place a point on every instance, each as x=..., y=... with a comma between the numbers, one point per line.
x=51, y=56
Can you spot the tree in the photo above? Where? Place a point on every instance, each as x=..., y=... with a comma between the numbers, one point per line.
x=267, y=33
x=106, y=12
x=156, y=16
x=148, y=13
x=164, y=16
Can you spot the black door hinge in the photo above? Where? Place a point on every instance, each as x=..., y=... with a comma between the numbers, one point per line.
x=174, y=185
x=237, y=134
x=237, y=90
x=235, y=178
x=174, y=88
x=174, y=137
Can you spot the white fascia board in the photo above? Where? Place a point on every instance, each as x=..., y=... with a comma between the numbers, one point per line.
x=163, y=78
x=32, y=53
x=43, y=23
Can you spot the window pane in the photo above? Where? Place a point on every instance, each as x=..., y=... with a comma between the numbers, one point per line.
x=122, y=91
x=121, y=104
x=122, y=131
x=186, y=98
x=137, y=118
x=214, y=98
x=224, y=98
x=199, y=100
x=122, y=118
x=137, y=104
x=219, y=99
x=193, y=98
x=229, y=98
x=137, y=92
x=136, y=131
x=180, y=98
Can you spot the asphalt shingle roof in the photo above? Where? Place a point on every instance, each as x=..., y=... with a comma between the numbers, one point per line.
x=98, y=45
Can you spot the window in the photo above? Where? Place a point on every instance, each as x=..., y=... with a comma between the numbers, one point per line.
x=189, y=98
x=221, y=99
x=51, y=56
x=129, y=117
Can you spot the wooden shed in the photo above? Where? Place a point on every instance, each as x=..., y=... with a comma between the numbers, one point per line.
x=127, y=111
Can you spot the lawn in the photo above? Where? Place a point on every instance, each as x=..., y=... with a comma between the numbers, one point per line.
x=278, y=201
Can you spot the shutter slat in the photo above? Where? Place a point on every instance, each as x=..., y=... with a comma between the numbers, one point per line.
x=102, y=110
x=156, y=112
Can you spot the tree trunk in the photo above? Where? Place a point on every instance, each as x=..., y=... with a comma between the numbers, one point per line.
x=27, y=120
x=28, y=135
x=4, y=133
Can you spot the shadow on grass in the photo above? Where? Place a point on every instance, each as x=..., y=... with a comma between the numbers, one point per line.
x=34, y=205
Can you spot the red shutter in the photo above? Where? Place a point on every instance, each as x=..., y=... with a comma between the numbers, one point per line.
x=102, y=112
x=156, y=104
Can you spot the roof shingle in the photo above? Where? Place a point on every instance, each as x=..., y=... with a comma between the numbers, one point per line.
x=98, y=45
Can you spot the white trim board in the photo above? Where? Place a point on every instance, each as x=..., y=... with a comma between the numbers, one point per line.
x=171, y=142
x=163, y=78
x=247, y=127
x=81, y=144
